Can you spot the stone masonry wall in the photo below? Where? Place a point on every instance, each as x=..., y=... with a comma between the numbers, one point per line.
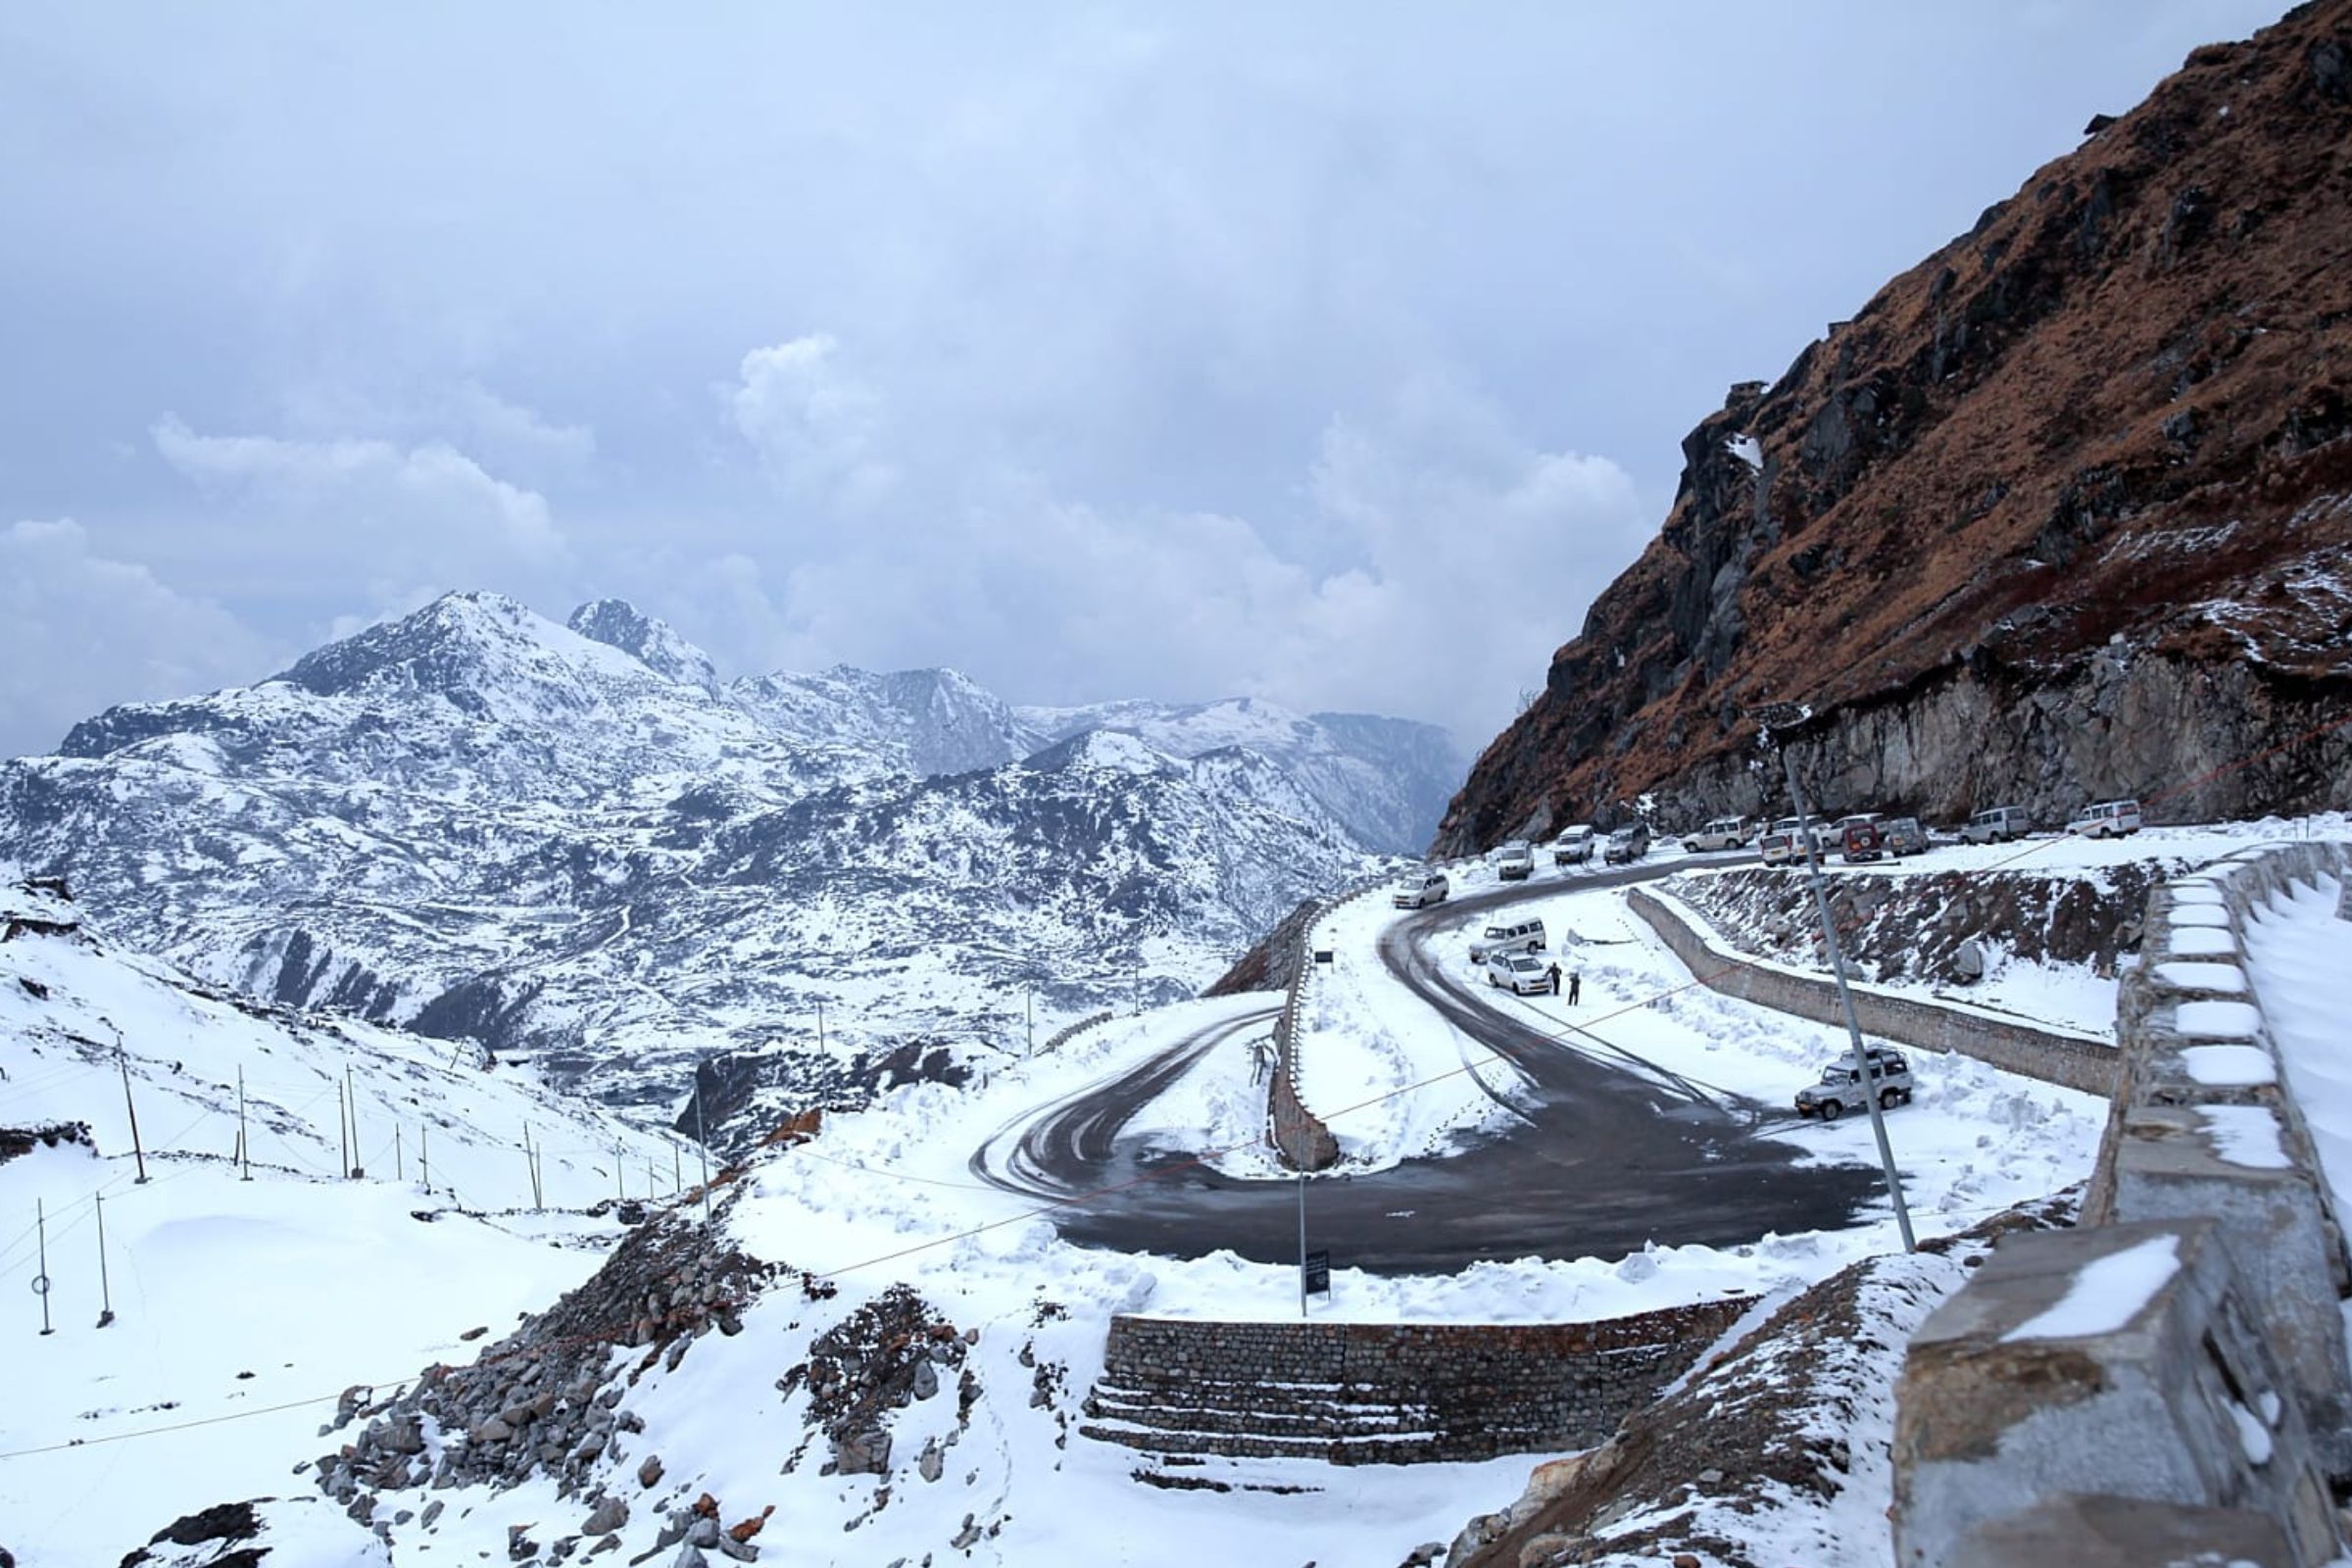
x=1409, y=1393
x=2071, y=1060
x=2207, y=1144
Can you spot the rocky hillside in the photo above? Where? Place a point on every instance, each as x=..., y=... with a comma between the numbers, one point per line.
x=2060, y=515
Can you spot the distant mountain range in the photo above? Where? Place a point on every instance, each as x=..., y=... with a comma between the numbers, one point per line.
x=580, y=843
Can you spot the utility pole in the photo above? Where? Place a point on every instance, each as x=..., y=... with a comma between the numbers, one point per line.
x=400, y=1168
x=820, y=1026
x=701, y=1144
x=351, y=1097
x=105, y=1295
x=343, y=1128
x=677, y=1183
x=530, y=1159
x=40, y=1281
x=1303, y=1244
x=1845, y=997
x=138, y=1149
x=1029, y=1022
x=424, y=1153
x=621, y=1185
x=244, y=1150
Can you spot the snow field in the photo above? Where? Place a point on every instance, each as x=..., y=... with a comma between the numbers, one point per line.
x=233, y=1297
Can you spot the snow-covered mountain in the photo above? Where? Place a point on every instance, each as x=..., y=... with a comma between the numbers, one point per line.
x=1387, y=779
x=481, y=824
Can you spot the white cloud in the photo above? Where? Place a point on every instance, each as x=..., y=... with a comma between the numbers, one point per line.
x=520, y=436
x=80, y=632
x=373, y=521
x=812, y=425
x=1449, y=559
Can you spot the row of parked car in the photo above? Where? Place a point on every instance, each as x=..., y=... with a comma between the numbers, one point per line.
x=1870, y=835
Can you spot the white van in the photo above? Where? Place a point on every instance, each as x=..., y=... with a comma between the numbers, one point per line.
x=1997, y=825
x=1508, y=936
x=1724, y=833
x=2109, y=819
x=1574, y=846
x=1514, y=862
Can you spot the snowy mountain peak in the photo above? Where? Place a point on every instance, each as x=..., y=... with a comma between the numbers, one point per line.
x=1107, y=750
x=652, y=641
x=461, y=646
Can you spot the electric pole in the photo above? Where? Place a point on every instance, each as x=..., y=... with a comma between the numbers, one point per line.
x=424, y=1153
x=1845, y=998
x=702, y=1144
x=40, y=1281
x=122, y=1060
x=244, y=1150
x=351, y=1095
x=105, y=1295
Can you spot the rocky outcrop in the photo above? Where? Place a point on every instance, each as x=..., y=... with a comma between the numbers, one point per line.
x=2057, y=516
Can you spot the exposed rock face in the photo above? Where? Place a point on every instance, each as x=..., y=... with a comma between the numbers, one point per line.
x=2060, y=515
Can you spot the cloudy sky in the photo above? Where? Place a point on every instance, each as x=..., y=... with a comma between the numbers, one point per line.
x=1333, y=353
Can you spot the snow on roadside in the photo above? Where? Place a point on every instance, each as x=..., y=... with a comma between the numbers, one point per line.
x=2298, y=950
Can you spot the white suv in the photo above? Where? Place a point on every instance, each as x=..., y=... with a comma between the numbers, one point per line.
x=2109, y=819
x=1420, y=891
x=1724, y=833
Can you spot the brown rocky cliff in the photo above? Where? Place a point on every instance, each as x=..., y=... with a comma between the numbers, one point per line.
x=2062, y=513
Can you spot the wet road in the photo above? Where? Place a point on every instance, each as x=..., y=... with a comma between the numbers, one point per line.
x=1607, y=1152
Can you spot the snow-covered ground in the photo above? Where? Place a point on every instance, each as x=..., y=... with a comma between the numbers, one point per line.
x=2297, y=954
x=254, y=1301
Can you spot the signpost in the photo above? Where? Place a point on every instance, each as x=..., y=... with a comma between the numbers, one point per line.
x=1318, y=1273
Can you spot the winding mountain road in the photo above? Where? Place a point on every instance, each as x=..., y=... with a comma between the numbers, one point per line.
x=1609, y=1151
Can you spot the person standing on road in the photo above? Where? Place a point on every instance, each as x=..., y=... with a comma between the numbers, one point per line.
x=1576, y=983
x=1554, y=975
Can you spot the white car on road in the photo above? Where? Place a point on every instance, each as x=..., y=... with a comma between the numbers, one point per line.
x=1519, y=972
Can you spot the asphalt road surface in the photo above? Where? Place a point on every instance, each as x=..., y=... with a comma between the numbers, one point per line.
x=1609, y=1153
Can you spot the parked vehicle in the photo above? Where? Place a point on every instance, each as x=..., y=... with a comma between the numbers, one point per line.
x=1840, y=1088
x=1520, y=973
x=1574, y=846
x=1902, y=835
x=1786, y=840
x=1514, y=862
x=1999, y=824
x=1626, y=845
x=1422, y=891
x=1724, y=833
x=1508, y=936
x=1861, y=840
x=2109, y=819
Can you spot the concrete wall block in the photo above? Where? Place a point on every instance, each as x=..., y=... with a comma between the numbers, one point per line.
x=2177, y=1398
x=2184, y=1162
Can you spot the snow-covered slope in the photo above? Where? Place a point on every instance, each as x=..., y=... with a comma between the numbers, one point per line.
x=484, y=825
x=231, y=1296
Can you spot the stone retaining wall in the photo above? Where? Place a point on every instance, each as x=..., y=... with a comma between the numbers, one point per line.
x=2074, y=1061
x=2245, y=1406
x=1388, y=1393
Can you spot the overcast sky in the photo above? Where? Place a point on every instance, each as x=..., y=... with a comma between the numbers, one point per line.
x=1337, y=354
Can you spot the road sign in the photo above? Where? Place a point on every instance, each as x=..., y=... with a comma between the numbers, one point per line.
x=1318, y=1273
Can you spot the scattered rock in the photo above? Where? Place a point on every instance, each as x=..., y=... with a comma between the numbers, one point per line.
x=649, y=1473
x=609, y=1515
